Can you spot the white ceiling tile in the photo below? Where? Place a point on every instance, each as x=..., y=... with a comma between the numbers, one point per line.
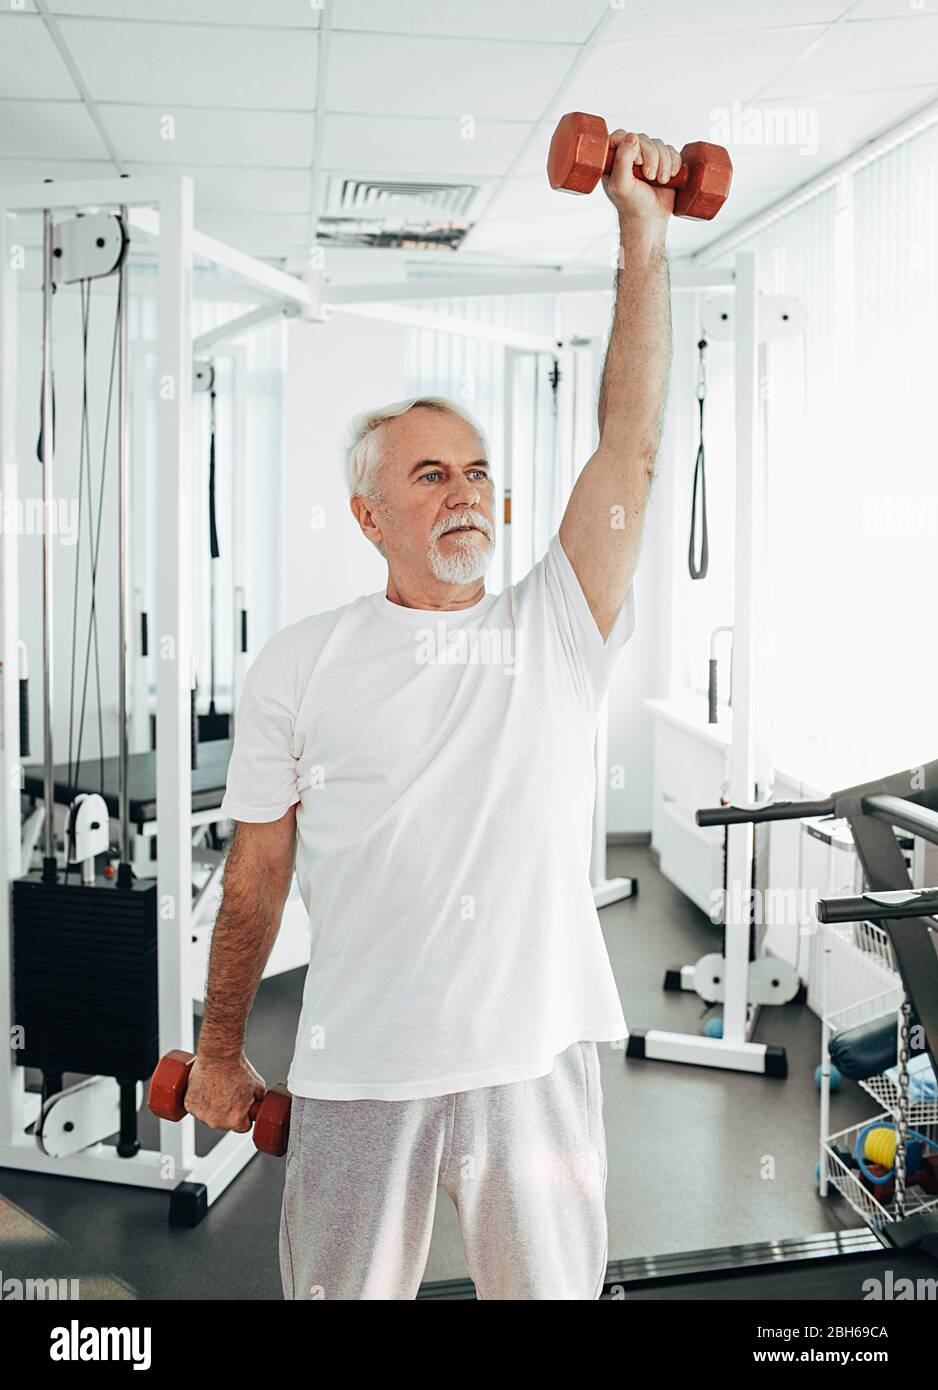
x=444, y=77
x=739, y=209
x=534, y=159
x=650, y=18
x=864, y=56
x=893, y=9
x=679, y=69
x=854, y=118
x=714, y=69
x=542, y=20
x=259, y=233
x=295, y=14
x=30, y=65
x=205, y=136
x=49, y=129
x=173, y=63
x=755, y=169
x=242, y=190
x=531, y=195
x=421, y=146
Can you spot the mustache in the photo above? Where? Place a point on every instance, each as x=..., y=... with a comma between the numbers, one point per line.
x=467, y=518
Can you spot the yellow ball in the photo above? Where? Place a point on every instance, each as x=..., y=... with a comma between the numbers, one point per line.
x=880, y=1147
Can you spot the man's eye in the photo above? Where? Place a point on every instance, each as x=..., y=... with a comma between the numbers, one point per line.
x=429, y=475
x=481, y=473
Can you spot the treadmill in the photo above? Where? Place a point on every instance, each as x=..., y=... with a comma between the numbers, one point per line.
x=833, y=1265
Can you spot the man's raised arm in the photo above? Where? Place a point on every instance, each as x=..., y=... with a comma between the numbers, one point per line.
x=602, y=525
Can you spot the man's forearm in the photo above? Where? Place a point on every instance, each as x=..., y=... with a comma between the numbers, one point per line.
x=245, y=930
x=634, y=381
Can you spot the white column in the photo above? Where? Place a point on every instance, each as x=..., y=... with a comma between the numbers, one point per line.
x=12, y=1077
x=173, y=638
x=239, y=520
x=748, y=543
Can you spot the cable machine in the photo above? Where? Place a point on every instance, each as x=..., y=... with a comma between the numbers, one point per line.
x=103, y=968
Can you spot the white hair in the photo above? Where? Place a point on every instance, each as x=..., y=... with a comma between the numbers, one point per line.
x=364, y=455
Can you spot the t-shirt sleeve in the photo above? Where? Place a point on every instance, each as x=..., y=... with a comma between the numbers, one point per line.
x=592, y=659
x=262, y=772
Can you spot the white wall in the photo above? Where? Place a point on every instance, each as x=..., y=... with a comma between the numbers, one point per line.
x=334, y=370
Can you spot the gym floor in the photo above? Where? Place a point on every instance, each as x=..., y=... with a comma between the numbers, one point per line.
x=687, y=1146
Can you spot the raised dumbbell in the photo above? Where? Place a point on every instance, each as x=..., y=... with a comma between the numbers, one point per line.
x=579, y=155
x=270, y=1116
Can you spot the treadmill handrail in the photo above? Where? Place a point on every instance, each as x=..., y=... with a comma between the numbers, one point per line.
x=875, y=907
x=767, y=810
x=907, y=815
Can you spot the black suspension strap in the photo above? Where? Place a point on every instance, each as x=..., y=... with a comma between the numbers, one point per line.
x=42, y=413
x=555, y=377
x=214, y=724
x=698, y=568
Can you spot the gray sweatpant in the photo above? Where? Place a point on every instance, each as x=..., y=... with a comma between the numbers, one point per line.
x=525, y=1164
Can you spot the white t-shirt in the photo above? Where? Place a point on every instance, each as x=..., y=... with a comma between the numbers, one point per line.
x=443, y=763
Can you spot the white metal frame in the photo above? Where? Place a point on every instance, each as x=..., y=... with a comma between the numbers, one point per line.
x=735, y=1051
x=142, y=350
x=161, y=208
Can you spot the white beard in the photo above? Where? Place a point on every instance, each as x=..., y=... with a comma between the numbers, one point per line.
x=468, y=562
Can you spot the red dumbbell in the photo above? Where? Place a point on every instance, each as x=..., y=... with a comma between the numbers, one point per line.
x=579, y=155
x=270, y=1116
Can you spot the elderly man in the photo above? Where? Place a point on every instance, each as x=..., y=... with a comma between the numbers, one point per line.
x=426, y=754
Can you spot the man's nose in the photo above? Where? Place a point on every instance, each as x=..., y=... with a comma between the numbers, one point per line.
x=464, y=494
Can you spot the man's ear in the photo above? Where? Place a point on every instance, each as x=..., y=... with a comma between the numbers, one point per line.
x=363, y=514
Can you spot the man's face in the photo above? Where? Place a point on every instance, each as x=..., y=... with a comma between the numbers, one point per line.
x=436, y=510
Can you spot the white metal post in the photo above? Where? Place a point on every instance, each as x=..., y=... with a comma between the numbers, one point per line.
x=748, y=541
x=173, y=640
x=142, y=512
x=239, y=520
x=564, y=470
x=12, y=1077
x=826, y=945
x=510, y=362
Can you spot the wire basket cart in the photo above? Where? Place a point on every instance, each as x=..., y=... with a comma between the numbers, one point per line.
x=859, y=966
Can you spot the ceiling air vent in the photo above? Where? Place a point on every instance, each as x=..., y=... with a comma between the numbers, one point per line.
x=382, y=212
